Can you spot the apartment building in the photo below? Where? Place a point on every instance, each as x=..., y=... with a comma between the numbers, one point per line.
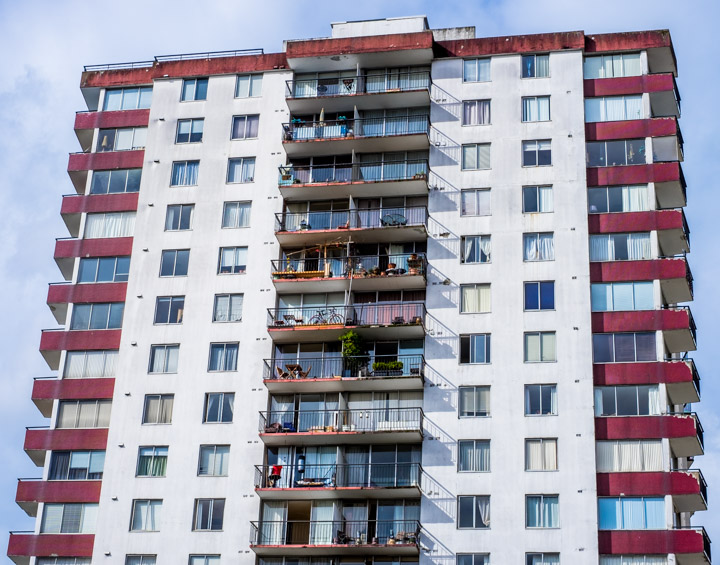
x=395, y=296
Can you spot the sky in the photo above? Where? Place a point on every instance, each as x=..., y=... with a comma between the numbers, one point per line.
x=44, y=45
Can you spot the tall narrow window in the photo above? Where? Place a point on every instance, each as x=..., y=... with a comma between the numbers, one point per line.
x=540, y=347
x=536, y=109
x=476, y=113
x=541, y=511
x=474, y=401
x=541, y=454
x=152, y=461
x=223, y=357
x=194, y=89
x=475, y=298
x=474, y=455
x=475, y=349
x=541, y=400
x=219, y=407
x=475, y=202
x=476, y=156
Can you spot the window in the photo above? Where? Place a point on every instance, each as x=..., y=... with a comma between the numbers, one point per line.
x=241, y=170
x=633, y=198
x=245, y=127
x=476, y=249
x=190, y=131
x=164, y=358
x=194, y=89
x=219, y=407
x=179, y=217
x=474, y=298
x=541, y=400
x=208, y=514
x=83, y=414
x=158, y=408
x=539, y=295
x=541, y=454
x=476, y=156
x=474, y=401
x=537, y=199
x=473, y=559
x=475, y=202
x=68, y=518
x=542, y=559
x=169, y=309
x=204, y=560
x=536, y=109
x=473, y=512
x=121, y=139
x=624, y=347
x=228, y=308
x=236, y=215
x=134, y=98
x=612, y=66
x=626, y=456
x=539, y=347
x=146, y=516
x=535, y=66
x=100, y=316
x=109, y=224
x=152, y=461
x=633, y=560
x=223, y=357
x=475, y=349
x=184, y=173
x=476, y=113
x=90, y=364
x=541, y=511
x=214, y=460
x=476, y=70
x=103, y=269
x=614, y=108
x=474, y=455
x=117, y=181
x=174, y=262
x=62, y=561
x=233, y=260
x=76, y=465
x=631, y=513
x=615, y=153
x=537, y=153
x=538, y=247
x=622, y=296
x=248, y=86
x=636, y=400
x=620, y=247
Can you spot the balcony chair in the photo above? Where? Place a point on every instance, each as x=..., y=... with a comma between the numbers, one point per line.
x=281, y=374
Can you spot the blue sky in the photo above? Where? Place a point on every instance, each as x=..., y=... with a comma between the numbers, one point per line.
x=44, y=45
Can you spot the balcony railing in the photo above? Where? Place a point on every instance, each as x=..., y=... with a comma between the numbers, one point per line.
x=385, y=314
x=693, y=368
x=357, y=266
x=700, y=479
x=379, y=171
x=377, y=366
x=335, y=532
x=705, y=536
x=368, y=218
x=357, y=420
x=361, y=127
x=360, y=84
x=376, y=475
x=691, y=321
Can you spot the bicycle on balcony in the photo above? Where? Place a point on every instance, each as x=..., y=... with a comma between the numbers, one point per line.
x=329, y=317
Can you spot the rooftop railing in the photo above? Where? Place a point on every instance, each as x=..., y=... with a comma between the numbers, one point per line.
x=379, y=171
x=372, y=314
x=354, y=420
x=360, y=84
x=356, y=266
x=375, y=366
x=368, y=218
x=165, y=58
x=376, y=475
x=299, y=130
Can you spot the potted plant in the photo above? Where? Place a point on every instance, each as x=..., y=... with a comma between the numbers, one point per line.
x=353, y=353
x=387, y=368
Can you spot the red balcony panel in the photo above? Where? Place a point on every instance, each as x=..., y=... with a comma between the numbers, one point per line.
x=50, y=545
x=46, y=390
x=675, y=483
x=618, y=271
x=31, y=492
x=645, y=427
x=365, y=44
x=638, y=542
x=101, y=292
x=633, y=174
x=58, y=340
x=118, y=119
x=628, y=41
x=635, y=221
x=631, y=129
x=77, y=204
x=541, y=42
x=67, y=439
x=640, y=321
x=102, y=247
x=104, y=161
x=668, y=372
x=629, y=85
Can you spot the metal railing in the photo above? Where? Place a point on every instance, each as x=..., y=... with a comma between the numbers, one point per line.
x=355, y=420
x=698, y=426
x=689, y=277
x=344, y=267
x=706, y=539
x=165, y=58
x=362, y=127
x=370, y=366
x=360, y=84
x=335, y=532
x=378, y=171
x=118, y=66
x=351, y=219
x=374, y=314
x=375, y=475
x=686, y=227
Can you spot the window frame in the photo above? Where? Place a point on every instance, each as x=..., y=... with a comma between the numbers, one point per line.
x=104, y=132
x=537, y=99
x=642, y=151
x=475, y=102
x=213, y=458
x=539, y=295
x=477, y=146
x=110, y=172
x=172, y=300
x=175, y=251
x=488, y=345
x=149, y=502
x=162, y=398
x=221, y=407
x=538, y=199
x=137, y=106
x=112, y=367
x=476, y=413
x=66, y=476
x=537, y=235
x=118, y=275
x=112, y=312
x=236, y=264
x=530, y=556
x=164, y=347
x=225, y=345
x=545, y=468
x=475, y=443
x=194, y=97
x=154, y=456
x=461, y=304
x=236, y=214
x=181, y=208
x=481, y=239
x=534, y=56
x=231, y=319
x=252, y=77
x=474, y=558
x=184, y=164
x=243, y=179
x=537, y=151
x=211, y=515
x=527, y=406
x=540, y=334
x=635, y=347
x=477, y=73
x=542, y=498
x=474, y=498
x=476, y=203
x=245, y=129
x=192, y=132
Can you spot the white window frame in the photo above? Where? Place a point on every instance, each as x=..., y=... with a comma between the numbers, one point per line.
x=467, y=103
x=236, y=261
x=481, y=239
x=181, y=209
x=535, y=66
x=463, y=306
x=192, y=121
x=211, y=472
x=475, y=192
x=537, y=99
x=110, y=173
x=142, y=102
x=546, y=466
x=246, y=117
x=542, y=359
x=477, y=73
x=162, y=399
x=109, y=363
x=221, y=406
x=542, y=498
x=232, y=316
x=223, y=368
x=553, y=387
x=475, y=442
x=478, y=159
x=254, y=85
x=156, y=502
x=193, y=97
x=235, y=213
x=155, y=455
x=184, y=175
x=473, y=390
x=164, y=350
x=487, y=356
x=210, y=516
x=247, y=175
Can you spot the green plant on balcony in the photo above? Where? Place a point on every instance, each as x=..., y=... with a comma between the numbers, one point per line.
x=387, y=368
x=354, y=354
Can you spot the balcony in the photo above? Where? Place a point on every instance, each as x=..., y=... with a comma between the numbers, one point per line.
x=365, y=92
x=80, y=163
x=371, y=224
x=74, y=205
x=336, y=537
x=62, y=294
x=691, y=546
x=40, y=440
x=46, y=390
x=631, y=129
x=668, y=178
x=67, y=249
x=24, y=545
x=662, y=89
x=406, y=319
x=30, y=492
x=320, y=427
x=336, y=374
x=87, y=122
x=359, y=180
x=52, y=342
x=366, y=272
x=311, y=482
x=360, y=135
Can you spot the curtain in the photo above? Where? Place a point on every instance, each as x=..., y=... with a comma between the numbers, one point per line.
x=59, y=466
x=529, y=111
x=549, y=447
x=112, y=224
x=601, y=297
x=75, y=365
x=614, y=108
x=185, y=173
x=476, y=112
x=545, y=198
x=653, y=400
x=474, y=455
x=639, y=246
x=542, y=65
x=543, y=103
x=635, y=198
x=469, y=157
x=475, y=298
x=633, y=513
x=600, y=248
x=321, y=522
x=166, y=408
x=652, y=454
x=533, y=455
x=482, y=510
x=633, y=107
x=631, y=64
x=222, y=308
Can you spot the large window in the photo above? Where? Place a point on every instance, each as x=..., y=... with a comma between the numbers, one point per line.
x=622, y=296
x=541, y=511
x=194, y=89
x=228, y=308
x=223, y=357
x=152, y=461
x=113, y=182
x=476, y=113
x=476, y=156
x=538, y=247
x=236, y=215
x=146, y=516
x=540, y=347
x=473, y=559
x=219, y=408
x=614, y=108
x=537, y=153
x=178, y=217
x=248, y=86
x=174, y=262
x=475, y=202
x=68, y=518
x=214, y=460
x=631, y=513
x=103, y=269
x=535, y=66
x=633, y=198
x=121, y=139
x=629, y=456
x=164, y=358
x=90, y=364
x=624, y=347
x=476, y=249
x=632, y=400
x=100, y=316
x=475, y=298
x=76, y=465
x=208, y=514
x=541, y=454
x=542, y=559
x=241, y=170
x=158, y=408
x=541, y=400
x=475, y=349
x=169, y=309
x=133, y=98
x=109, y=224
x=536, y=109
x=620, y=247
x=615, y=153
x=476, y=70
x=474, y=455
x=233, y=260
x=474, y=401
x=539, y=295
x=190, y=131
x=612, y=66
x=473, y=512
x=184, y=173
x=245, y=127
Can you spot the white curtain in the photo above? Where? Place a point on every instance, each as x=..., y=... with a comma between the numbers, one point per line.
x=146, y=516
x=635, y=198
x=185, y=173
x=639, y=246
x=542, y=65
x=539, y=247
x=475, y=298
x=533, y=455
x=600, y=248
x=633, y=560
x=474, y=455
x=321, y=522
x=614, y=108
x=475, y=202
x=272, y=529
x=545, y=195
x=629, y=456
x=112, y=224
x=633, y=107
x=654, y=400
x=476, y=112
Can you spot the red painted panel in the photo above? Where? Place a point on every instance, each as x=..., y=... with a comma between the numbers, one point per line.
x=642, y=373
x=58, y=340
x=646, y=320
x=633, y=174
x=109, y=160
x=119, y=119
x=47, y=439
x=647, y=484
x=616, y=271
x=635, y=221
x=365, y=44
x=645, y=427
x=629, y=85
x=631, y=129
x=511, y=44
x=661, y=541
x=75, y=389
x=628, y=41
x=77, y=203
x=101, y=247
x=101, y=292
x=48, y=545
x=58, y=491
